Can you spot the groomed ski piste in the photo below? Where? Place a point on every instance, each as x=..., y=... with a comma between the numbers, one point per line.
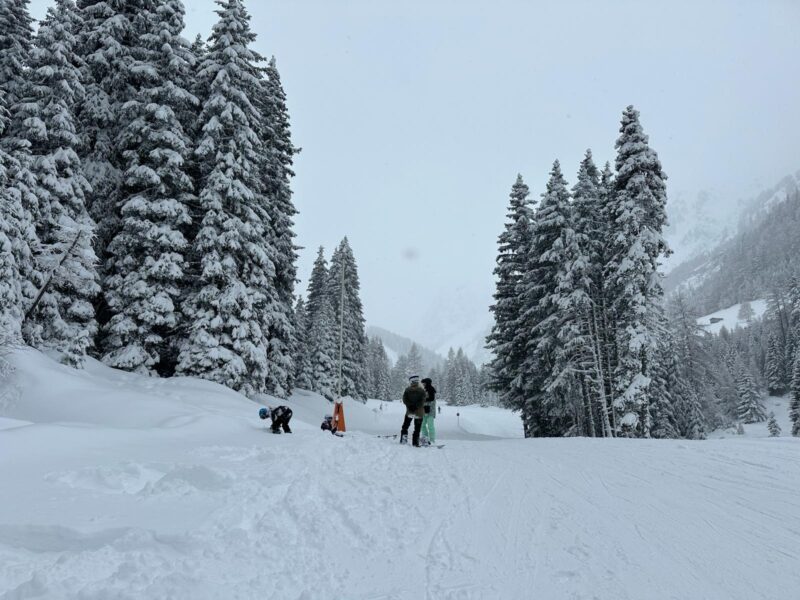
x=119, y=486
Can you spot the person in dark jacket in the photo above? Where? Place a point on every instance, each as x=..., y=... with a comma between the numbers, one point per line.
x=428, y=429
x=327, y=424
x=414, y=400
x=280, y=415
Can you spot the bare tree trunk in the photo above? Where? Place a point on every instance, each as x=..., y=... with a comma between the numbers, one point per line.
x=47, y=283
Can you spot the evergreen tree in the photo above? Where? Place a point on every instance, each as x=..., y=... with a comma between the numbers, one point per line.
x=414, y=361
x=324, y=344
x=546, y=405
x=508, y=348
x=349, y=313
x=16, y=41
x=639, y=215
x=64, y=318
x=772, y=425
x=399, y=377
x=277, y=171
x=233, y=251
x=302, y=347
x=15, y=231
x=379, y=377
x=317, y=284
x=775, y=371
x=105, y=42
x=19, y=190
x=146, y=266
x=751, y=408
x=794, y=407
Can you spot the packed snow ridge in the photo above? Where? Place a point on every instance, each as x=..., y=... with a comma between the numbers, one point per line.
x=122, y=486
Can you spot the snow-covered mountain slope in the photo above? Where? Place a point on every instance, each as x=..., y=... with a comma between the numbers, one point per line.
x=120, y=486
x=729, y=317
x=750, y=264
x=396, y=345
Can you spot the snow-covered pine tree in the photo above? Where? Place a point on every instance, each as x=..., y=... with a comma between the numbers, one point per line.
x=775, y=371
x=344, y=272
x=399, y=377
x=582, y=288
x=639, y=215
x=233, y=250
x=301, y=348
x=413, y=361
x=20, y=188
x=145, y=272
x=794, y=406
x=507, y=347
x=317, y=284
x=746, y=313
x=751, y=408
x=64, y=318
x=15, y=230
x=277, y=173
x=16, y=41
x=324, y=344
x=378, y=380
x=668, y=383
x=772, y=426
x=546, y=411
x=104, y=46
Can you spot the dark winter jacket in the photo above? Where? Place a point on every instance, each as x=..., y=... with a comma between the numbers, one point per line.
x=414, y=399
x=430, y=401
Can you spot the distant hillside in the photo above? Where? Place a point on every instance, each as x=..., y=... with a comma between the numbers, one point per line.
x=397, y=345
x=752, y=263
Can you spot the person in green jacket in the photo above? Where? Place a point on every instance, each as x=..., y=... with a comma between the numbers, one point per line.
x=428, y=429
x=414, y=398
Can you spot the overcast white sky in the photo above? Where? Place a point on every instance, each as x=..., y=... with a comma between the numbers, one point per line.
x=415, y=117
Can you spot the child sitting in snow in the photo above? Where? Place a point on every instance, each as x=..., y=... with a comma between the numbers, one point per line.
x=327, y=424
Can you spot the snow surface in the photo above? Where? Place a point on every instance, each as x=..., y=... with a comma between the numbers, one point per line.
x=120, y=486
x=730, y=317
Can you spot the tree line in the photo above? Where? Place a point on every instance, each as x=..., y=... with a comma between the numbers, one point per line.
x=145, y=192
x=584, y=341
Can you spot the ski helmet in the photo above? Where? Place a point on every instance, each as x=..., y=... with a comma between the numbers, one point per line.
x=263, y=413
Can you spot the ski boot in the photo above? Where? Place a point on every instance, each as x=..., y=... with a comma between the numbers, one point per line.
x=404, y=438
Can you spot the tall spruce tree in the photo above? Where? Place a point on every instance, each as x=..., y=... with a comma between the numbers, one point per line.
x=545, y=412
x=64, y=318
x=19, y=191
x=104, y=46
x=379, y=380
x=15, y=231
x=507, y=347
x=343, y=291
x=277, y=172
x=233, y=249
x=639, y=215
x=146, y=266
x=794, y=406
x=324, y=346
x=751, y=408
x=301, y=346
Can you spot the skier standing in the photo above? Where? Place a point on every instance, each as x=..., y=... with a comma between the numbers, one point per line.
x=414, y=400
x=428, y=429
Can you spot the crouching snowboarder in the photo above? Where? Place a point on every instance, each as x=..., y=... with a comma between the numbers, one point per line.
x=414, y=400
x=280, y=415
x=327, y=424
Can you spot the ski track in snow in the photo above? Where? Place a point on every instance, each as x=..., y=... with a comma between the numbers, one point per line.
x=214, y=507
